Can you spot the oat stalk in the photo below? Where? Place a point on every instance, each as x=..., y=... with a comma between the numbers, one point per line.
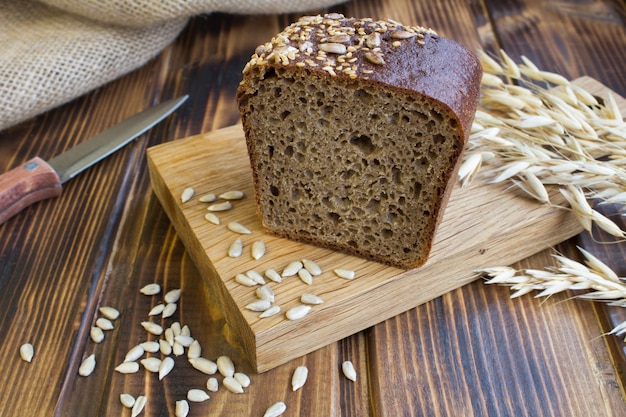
x=535, y=129
x=592, y=280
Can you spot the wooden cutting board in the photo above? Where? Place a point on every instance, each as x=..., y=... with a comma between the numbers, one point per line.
x=484, y=225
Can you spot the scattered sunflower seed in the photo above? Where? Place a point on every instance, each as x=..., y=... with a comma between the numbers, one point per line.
x=258, y=249
x=134, y=353
x=305, y=276
x=259, y=305
x=273, y=310
x=207, y=198
x=348, y=370
x=344, y=273
x=157, y=309
x=96, y=334
x=169, y=310
x=185, y=330
x=164, y=347
x=176, y=329
x=275, y=409
x=212, y=384
x=152, y=328
x=255, y=276
x=312, y=266
x=292, y=269
x=235, y=249
x=225, y=366
x=150, y=289
x=109, y=312
x=237, y=227
x=127, y=367
x=172, y=296
x=265, y=292
x=299, y=377
x=212, y=218
x=151, y=364
x=232, y=195
x=27, y=352
x=178, y=349
x=223, y=206
x=138, y=406
x=243, y=379
x=182, y=408
x=104, y=324
x=87, y=366
x=311, y=299
x=150, y=346
x=204, y=365
x=297, y=312
x=169, y=336
x=184, y=340
x=245, y=280
x=166, y=366
x=127, y=400
x=194, y=350
x=232, y=385
x=187, y=194
x=273, y=275
x=197, y=395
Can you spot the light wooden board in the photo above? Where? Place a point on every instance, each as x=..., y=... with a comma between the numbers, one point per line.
x=484, y=225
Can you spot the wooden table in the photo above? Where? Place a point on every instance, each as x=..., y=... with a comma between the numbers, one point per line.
x=471, y=352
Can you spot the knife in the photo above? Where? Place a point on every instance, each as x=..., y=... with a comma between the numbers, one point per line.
x=37, y=179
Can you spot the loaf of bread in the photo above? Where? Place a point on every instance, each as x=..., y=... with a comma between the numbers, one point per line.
x=355, y=130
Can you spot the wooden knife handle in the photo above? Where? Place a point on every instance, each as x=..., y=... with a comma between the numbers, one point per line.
x=26, y=184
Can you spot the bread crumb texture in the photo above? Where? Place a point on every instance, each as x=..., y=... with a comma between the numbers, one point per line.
x=355, y=129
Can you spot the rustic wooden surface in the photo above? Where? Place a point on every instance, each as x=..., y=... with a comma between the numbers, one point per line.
x=471, y=352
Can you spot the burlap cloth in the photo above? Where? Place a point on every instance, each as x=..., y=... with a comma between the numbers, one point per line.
x=52, y=51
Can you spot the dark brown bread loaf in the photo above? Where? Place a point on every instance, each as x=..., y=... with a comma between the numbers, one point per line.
x=355, y=130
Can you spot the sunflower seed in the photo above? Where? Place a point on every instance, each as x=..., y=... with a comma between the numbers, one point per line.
x=292, y=269
x=138, y=406
x=299, y=377
x=258, y=249
x=134, y=353
x=273, y=310
x=237, y=227
x=127, y=367
x=152, y=328
x=151, y=364
x=185, y=330
x=204, y=365
x=402, y=34
x=96, y=334
x=172, y=296
x=87, y=366
x=194, y=350
x=150, y=346
x=255, y=276
x=311, y=266
x=311, y=299
x=109, y=312
x=27, y=352
x=169, y=337
x=197, y=395
x=212, y=384
x=275, y=409
x=223, y=206
x=225, y=366
x=348, y=370
x=184, y=340
x=259, y=305
x=127, y=400
x=245, y=280
x=182, y=408
x=164, y=347
x=232, y=195
x=273, y=275
x=305, y=276
x=297, y=312
x=333, y=48
x=207, y=198
x=375, y=58
x=178, y=349
x=344, y=273
x=104, y=324
x=176, y=329
x=235, y=249
x=187, y=194
x=150, y=289
x=242, y=378
x=212, y=218
x=265, y=292
x=167, y=364
x=372, y=40
x=156, y=310
x=232, y=385
x=169, y=310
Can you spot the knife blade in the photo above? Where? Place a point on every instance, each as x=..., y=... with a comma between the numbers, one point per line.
x=36, y=179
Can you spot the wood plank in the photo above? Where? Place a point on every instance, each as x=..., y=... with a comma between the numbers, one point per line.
x=483, y=224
